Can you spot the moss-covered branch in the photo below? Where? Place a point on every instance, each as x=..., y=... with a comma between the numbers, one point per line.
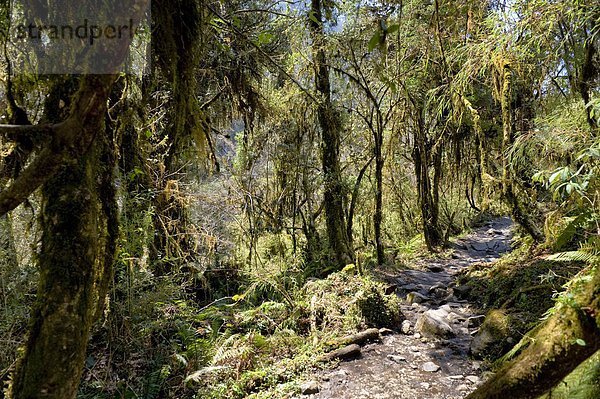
x=565, y=340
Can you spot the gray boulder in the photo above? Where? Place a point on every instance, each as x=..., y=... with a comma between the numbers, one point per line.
x=433, y=324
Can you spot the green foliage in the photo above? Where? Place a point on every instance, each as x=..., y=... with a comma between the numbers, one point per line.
x=577, y=192
x=582, y=383
x=18, y=279
x=524, y=284
x=345, y=302
x=573, y=256
x=263, y=349
x=275, y=272
x=244, y=316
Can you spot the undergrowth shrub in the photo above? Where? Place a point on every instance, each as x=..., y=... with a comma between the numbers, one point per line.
x=265, y=348
x=347, y=302
x=274, y=272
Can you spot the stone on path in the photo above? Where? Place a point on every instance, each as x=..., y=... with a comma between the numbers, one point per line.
x=385, y=332
x=455, y=318
x=435, y=268
x=473, y=379
x=396, y=358
x=432, y=324
x=309, y=388
x=406, y=327
x=430, y=367
x=416, y=297
x=479, y=246
x=410, y=287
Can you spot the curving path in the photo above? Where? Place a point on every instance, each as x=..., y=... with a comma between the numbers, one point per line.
x=408, y=365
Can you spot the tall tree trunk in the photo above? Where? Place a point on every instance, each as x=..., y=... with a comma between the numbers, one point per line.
x=429, y=210
x=589, y=72
x=329, y=122
x=74, y=169
x=437, y=176
x=178, y=29
x=79, y=223
x=354, y=200
x=518, y=210
x=171, y=244
x=378, y=216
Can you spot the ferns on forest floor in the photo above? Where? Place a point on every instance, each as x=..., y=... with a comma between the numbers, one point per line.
x=173, y=348
x=248, y=358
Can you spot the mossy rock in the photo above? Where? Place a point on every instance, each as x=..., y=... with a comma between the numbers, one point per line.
x=519, y=285
x=494, y=337
x=379, y=310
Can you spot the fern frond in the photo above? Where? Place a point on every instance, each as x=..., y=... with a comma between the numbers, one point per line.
x=591, y=246
x=233, y=356
x=220, y=352
x=572, y=256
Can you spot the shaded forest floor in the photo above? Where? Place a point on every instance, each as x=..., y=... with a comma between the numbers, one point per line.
x=264, y=346
x=430, y=360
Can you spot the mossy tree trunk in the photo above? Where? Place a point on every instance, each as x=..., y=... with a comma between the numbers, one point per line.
x=379, y=162
x=79, y=224
x=565, y=340
x=74, y=169
x=354, y=199
x=518, y=209
x=427, y=201
x=376, y=122
x=178, y=29
x=339, y=244
x=589, y=72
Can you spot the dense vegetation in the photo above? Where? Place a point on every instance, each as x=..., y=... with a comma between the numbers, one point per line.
x=210, y=228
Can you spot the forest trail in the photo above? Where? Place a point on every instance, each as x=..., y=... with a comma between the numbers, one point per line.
x=406, y=365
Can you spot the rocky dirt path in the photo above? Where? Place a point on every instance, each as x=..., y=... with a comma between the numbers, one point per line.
x=429, y=358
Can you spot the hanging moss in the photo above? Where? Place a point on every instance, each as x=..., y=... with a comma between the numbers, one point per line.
x=178, y=30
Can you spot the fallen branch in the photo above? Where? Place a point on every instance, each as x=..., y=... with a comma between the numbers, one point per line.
x=361, y=338
x=346, y=353
x=35, y=133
